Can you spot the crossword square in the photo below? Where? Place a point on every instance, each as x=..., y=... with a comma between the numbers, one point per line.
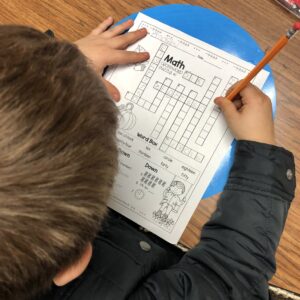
x=170, y=91
x=162, y=121
x=157, y=85
x=173, y=144
x=213, y=87
x=135, y=98
x=139, y=92
x=180, y=88
x=178, y=122
x=192, y=153
x=214, y=114
x=142, y=86
x=233, y=80
x=160, y=95
x=152, y=67
x=187, y=134
x=209, y=94
x=180, y=147
x=203, y=134
x=163, y=147
x=153, y=108
x=189, y=101
x=186, y=75
x=167, y=140
x=195, y=104
x=176, y=95
x=200, y=141
x=145, y=79
x=193, y=78
x=181, y=115
x=194, y=120
x=190, y=127
x=172, y=102
x=165, y=115
x=169, y=108
x=183, y=140
x=186, y=150
x=207, y=127
x=193, y=94
x=156, y=101
x=216, y=80
x=156, y=60
x=147, y=104
x=202, y=107
x=155, y=134
x=211, y=121
x=128, y=96
x=163, y=47
x=168, y=82
x=197, y=114
x=199, y=81
x=182, y=97
x=167, y=98
x=141, y=102
x=158, y=128
x=164, y=88
x=174, y=127
x=160, y=54
x=199, y=157
x=149, y=73
x=205, y=100
x=185, y=108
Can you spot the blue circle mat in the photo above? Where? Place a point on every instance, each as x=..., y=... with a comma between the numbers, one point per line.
x=221, y=32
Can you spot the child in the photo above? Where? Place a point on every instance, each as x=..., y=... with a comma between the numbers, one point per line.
x=58, y=159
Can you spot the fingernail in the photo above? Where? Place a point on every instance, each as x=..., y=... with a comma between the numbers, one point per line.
x=143, y=30
x=116, y=96
x=146, y=54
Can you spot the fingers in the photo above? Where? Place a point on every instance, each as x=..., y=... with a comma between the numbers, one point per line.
x=122, y=57
x=112, y=90
x=123, y=41
x=228, y=107
x=103, y=26
x=117, y=30
x=249, y=94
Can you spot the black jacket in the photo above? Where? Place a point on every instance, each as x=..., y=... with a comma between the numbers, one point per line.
x=234, y=259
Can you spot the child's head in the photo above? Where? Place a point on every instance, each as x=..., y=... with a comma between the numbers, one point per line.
x=58, y=158
x=177, y=187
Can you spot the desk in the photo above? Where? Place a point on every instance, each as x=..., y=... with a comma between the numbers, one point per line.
x=265, y=21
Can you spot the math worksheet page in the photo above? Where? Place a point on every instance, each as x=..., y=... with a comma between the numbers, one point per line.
x=171, y=135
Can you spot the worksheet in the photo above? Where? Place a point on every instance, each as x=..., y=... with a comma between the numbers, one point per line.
x=171, y=137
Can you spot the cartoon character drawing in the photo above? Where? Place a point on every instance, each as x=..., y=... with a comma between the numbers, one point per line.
x=171, y=202
x=127, y=119
x=141, y=66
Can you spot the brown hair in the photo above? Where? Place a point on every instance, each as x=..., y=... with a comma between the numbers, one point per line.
x=58, y=158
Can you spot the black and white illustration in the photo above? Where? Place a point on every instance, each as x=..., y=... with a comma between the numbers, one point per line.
x=170, y=204
x=127, y=118
x=172, y=137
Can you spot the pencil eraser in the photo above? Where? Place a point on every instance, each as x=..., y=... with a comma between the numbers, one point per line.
x=296, y=26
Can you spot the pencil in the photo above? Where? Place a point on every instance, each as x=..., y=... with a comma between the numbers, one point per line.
x=283, y=40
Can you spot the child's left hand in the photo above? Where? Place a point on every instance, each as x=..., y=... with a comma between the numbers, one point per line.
x=106, y=46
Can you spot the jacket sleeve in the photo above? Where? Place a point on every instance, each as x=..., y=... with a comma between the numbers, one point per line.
x=236, y=254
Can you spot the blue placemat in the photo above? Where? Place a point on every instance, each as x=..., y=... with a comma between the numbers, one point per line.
x=221, y=32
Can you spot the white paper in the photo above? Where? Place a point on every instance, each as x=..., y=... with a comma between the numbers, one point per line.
x=171, y=136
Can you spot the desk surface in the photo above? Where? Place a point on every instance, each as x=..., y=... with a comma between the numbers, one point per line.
x=265, y=21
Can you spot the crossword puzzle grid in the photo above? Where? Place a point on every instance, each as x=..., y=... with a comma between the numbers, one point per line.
x=136, y=97
x=189, y=104
x=213, y=116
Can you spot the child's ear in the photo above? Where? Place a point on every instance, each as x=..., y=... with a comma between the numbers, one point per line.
x=70, y=273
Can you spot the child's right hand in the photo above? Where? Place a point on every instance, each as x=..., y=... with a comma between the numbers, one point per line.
x=249, y=116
